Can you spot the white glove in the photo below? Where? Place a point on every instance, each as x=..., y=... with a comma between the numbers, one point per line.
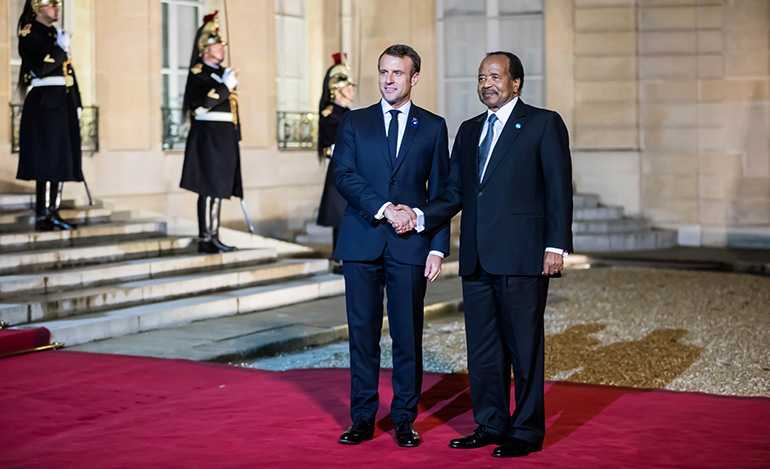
x=230, y=80
x=80, y=112
x=63, y=39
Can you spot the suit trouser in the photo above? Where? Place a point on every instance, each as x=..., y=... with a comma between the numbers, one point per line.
x=405, y=287
x=504, y=327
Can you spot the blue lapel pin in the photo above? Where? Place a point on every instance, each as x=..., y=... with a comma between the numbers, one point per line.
x=518, y=126
x=414, y=122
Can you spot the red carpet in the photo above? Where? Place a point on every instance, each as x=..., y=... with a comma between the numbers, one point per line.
x=75, y=410
x=13, y=341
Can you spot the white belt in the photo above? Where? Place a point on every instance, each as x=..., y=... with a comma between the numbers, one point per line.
x=214, y=116
x=48, y=81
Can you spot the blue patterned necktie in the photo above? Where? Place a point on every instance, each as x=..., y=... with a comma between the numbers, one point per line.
x=393, y=135
x=486, y=144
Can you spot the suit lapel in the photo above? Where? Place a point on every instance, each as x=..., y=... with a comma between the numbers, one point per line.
x=510, y=132
x=378, y=127
x=412, y=122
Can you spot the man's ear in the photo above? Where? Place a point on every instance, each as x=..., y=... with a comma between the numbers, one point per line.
x=415, y=78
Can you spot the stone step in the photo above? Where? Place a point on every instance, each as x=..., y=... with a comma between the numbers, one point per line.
x=10, y=242
x=78, y=215
x=585, y=201
x=72, y=303
x=623, y=225
x=115, y=323
x=598, y=213
x=24, y=285
x=643, y=240
x=84, y=255
x=312, y=240
x=313, y=229
x=17, y=201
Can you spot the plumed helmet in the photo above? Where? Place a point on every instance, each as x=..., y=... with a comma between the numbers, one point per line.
x=44, y=3
x=339, y=77
x=209, y=34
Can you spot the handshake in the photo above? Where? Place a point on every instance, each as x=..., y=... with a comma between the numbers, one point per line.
x=401, y=217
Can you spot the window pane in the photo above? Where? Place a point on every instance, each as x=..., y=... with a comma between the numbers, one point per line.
x=181, y=80
x=524, y=37
x=292, y=38
x=164, y=14
x=187, y=26
x=509, y=7
x=462, y=103
x=290, y=95
x=290, y=7
x=533, y=91
x=464, y=8
x=465, y=47
x=165, y=90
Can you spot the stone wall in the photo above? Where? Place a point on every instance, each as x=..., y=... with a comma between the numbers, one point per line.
x=671, y=114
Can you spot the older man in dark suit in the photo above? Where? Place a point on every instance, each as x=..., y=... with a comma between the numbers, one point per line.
x=391, y=152
x=511, y=177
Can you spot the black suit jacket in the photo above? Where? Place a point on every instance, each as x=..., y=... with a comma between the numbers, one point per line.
x=367, y=178
x=523, y=204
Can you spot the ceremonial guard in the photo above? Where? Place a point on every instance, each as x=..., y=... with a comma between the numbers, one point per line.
x=49, y=136
x=212, y=166
x=337, y=97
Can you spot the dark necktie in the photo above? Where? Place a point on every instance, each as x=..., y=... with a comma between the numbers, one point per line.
x=486, y=144
x=393, y=135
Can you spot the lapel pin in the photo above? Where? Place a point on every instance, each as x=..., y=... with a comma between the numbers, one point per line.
x=518, y=126
x=414, y=122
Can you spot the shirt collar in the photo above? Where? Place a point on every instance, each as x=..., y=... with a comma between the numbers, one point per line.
x=386, y=107
x=504, y=112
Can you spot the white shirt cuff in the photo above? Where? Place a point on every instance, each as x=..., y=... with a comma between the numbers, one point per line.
x=381, y=212
x=558, y=251
x=420, y=221
x=437, y=253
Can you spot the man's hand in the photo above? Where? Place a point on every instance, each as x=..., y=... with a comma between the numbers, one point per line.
x=63, y=39
x=412, y=216
x=433, y=267
x=230, y=80
x=400, y=219
x=553, y=263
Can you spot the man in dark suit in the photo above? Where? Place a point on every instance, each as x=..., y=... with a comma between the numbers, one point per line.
x=511, y=177
x=391, y=152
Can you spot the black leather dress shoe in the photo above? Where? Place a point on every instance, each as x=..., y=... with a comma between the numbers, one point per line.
x=357, y=433
x=516, y=448
x=480, y=437
x=406, y=435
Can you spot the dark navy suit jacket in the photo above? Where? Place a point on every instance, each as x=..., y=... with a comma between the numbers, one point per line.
x=367, y=179
x=524, y=202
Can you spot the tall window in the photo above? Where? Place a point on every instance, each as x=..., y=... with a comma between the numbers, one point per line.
x=291, y=43
x=467, y=31
x=181, y=20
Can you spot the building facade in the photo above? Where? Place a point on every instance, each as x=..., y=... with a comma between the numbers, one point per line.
x=667, y=101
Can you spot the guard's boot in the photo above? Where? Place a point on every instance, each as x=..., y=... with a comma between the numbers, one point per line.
x=216, y=205
x=205, y=239
x=53, y=209
x=42, y=220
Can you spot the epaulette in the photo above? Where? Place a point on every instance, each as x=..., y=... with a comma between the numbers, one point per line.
x=24, y=32
x=327, y=112
x=197, y=69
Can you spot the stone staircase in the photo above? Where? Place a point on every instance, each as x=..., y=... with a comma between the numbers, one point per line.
x=596, y=228
x=115, y=276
